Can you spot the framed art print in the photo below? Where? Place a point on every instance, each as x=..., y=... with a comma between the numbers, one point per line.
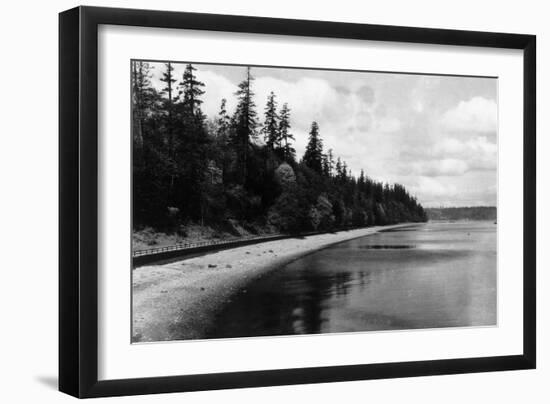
x=251, y=201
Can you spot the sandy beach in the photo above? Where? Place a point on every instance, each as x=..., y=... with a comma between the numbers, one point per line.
x=179, y=300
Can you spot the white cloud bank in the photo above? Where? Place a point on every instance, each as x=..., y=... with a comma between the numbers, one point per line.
x=477, y=114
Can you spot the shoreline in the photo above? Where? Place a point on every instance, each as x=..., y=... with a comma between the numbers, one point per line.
x=179, y=300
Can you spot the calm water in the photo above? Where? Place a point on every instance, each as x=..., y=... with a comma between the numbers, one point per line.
x=423, y=276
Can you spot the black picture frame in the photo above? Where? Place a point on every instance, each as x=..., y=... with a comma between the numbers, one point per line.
x=78, y=201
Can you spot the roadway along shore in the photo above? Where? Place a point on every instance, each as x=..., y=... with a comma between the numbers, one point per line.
x=179, y=300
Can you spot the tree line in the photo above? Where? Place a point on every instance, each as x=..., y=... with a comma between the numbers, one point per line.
x=241, y=167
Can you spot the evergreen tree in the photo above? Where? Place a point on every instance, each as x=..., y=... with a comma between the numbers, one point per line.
x=245, y=123
x=192, y=150
x=270, y=129
x=142, y=98
x=313, y=156
x=191, y=118
x=191, y=89
x=361, y=181
x=223, y=128
x=223, y=121
x=169, y=80
x=325, y=169
x=330, y=163
x=149, y=143
x=286, y=138
x=168, y=104
x=338, y=168
x=344, y=172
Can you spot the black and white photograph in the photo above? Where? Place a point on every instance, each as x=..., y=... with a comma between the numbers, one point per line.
x=276, y=201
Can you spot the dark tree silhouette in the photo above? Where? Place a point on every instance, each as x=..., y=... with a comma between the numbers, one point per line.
x=142, y=98
x=168, y=104
x=223, y=121
x=245, y=123
x=270, y=128
x=286, y=138
x=313, y=156
x=191, y=89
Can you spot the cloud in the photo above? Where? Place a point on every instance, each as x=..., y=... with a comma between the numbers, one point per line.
x=388, y=124
x=366, y=93
x=451, y=157
x=478, y=153
x=345, y=118
x=468, y=190
x=217, y=87
x=444, y=167
x=475, y=115
x=435, y=187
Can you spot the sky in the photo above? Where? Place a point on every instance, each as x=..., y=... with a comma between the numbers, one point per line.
x=436, y=135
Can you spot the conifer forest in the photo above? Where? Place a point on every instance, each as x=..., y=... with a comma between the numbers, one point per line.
x=241, y=167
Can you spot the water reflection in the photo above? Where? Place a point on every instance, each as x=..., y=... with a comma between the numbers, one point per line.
x=412, y=278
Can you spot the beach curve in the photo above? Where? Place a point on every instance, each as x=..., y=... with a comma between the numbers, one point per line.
x=179, y=300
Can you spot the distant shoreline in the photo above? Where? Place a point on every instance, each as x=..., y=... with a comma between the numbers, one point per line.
x=459, y=220
x=178, y=301
x=463, y=213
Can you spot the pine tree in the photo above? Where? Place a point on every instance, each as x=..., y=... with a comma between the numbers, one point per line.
x=223, y=121
x=192, y=118
x=344, y=173
x=338, y=168
x=270, y=127
x=169, y=80
x=142, y=98
x=328, y=164
x=285, y=137
x=361, y=181
x=168, y=104
x=223, y=128
x=324, y=165
x=245, y=123
x=313, y=156
x=191, y=89
x=192, y=157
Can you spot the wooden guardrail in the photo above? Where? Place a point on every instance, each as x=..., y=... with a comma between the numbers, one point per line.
x=185, y=246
